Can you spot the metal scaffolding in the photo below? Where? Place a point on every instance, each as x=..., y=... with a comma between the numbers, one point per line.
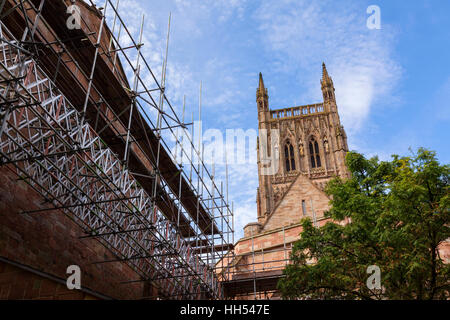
x=256, y=272
x=103, y=161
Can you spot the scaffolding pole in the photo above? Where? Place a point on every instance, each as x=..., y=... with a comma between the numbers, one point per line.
x=56, y=149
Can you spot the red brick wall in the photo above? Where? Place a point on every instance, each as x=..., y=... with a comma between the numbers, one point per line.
x=17, y=284
x=49, y=242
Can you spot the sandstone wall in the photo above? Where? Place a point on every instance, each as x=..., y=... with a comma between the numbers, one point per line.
x=49, y=242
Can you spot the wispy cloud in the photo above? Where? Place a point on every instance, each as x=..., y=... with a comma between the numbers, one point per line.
x=302, y=34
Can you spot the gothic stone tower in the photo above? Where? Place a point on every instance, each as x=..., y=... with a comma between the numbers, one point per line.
x=312, y=145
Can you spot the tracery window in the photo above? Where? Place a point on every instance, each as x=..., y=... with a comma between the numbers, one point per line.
x=314, y=154
x=289, y=157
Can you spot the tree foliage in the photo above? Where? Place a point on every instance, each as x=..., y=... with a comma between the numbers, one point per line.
x=392, y=214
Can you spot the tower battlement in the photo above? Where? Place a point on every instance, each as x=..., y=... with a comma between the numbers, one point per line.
x=300, y=111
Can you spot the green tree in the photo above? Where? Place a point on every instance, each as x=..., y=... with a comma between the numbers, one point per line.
x=391, y=214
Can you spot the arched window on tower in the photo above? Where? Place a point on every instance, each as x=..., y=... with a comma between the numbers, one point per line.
x=314, y=154
x=289, y=157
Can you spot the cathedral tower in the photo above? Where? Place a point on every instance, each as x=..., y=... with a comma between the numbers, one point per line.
x=312, y=145
x=308, y=144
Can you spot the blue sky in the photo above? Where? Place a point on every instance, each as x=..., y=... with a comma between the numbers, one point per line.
x=392, y=85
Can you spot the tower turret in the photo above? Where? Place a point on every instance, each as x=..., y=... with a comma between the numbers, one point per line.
x=264, y=190
x=327, y=86
x=262, y=98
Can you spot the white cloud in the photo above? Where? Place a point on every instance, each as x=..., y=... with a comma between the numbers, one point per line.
x=302, y=34
x=245, y=213
x=243, y=181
